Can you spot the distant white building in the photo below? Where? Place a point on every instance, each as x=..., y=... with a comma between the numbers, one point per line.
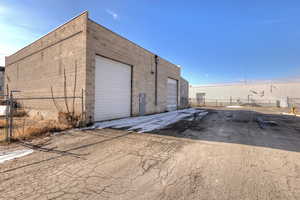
x=280, y=93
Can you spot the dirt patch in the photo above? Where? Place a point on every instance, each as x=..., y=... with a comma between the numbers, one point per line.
x=225, y=159
x=241, y=126
x=114, y=164
x=243, y=116
x=193, y=123
x=182, y=125
x=297, y=129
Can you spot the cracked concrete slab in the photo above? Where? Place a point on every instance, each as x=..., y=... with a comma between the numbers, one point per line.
x=217, y=163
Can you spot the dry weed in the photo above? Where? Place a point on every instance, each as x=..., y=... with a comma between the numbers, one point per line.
x=40, y=128
x=3, y=123
x=25, y=128
x=20, y=113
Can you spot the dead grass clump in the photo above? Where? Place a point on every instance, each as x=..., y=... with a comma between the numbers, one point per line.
x=28, y=128
x=2, y=138
x=3, y=123
x=40, y=128
x=69, y=118
x=20, y=113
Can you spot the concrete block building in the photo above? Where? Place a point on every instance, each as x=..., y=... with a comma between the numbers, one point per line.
x=119, y=78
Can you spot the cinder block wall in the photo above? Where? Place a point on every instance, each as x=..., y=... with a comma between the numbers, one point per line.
x=39, y=66
x=184, y=93
x=103, y=42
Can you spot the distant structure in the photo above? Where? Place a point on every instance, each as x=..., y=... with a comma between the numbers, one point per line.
x=2, y=70
x=184, y=93
x=276, y=93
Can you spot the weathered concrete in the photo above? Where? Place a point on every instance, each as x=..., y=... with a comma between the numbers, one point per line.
x=229, y=158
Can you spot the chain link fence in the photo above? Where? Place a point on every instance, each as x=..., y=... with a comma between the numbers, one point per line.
x=4, y=117
x=294, y=102
x=22, y=117
x=285, y=102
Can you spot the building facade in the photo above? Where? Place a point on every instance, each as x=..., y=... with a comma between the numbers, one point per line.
x=276, y=93
x=118, y=77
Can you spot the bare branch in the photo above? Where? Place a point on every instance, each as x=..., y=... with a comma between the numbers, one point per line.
x=65, y=91
x=75, y=83
x=55, y=104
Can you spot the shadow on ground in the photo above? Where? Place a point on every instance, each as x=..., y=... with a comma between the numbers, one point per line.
x=241, y=127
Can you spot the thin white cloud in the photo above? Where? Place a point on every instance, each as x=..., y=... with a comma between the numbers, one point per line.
x=114, y=15
x=6, y=50
x=3, y=9
x=2, y=60
x=19, y=30
x=17, y=33
x=14, y=38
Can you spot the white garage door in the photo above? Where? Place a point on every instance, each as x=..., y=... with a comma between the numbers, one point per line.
x=112, y=89
x=172, y=94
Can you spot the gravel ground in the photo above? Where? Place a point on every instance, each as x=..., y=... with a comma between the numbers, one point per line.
x=226, y=155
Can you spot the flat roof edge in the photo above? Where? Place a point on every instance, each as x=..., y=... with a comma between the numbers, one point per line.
x=245, y=83
x=82, y=13
x=93, y=21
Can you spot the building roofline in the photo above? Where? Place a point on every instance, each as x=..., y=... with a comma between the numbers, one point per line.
x=183, y=78
x=132, y=42
x=86, y=12
x=56, y=28
x=248, y=83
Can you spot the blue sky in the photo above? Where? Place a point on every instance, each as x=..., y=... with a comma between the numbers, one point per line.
x=214, y=41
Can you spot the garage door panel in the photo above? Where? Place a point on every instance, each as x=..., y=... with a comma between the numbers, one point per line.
x=172, y=94
x=112, y=89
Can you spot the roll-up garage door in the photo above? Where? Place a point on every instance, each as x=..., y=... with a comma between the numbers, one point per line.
x=112, y=89
x=172, y=96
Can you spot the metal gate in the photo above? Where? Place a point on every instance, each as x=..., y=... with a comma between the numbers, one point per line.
x=294, y=102
x=6, y=105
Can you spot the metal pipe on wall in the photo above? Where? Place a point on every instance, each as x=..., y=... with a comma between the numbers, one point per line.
x=156, y=79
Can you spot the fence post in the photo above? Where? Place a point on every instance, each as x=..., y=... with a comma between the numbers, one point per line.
x=6, y=113
x=6, y=121
x=6, y=118
x=82, y=117
x=10, y=124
